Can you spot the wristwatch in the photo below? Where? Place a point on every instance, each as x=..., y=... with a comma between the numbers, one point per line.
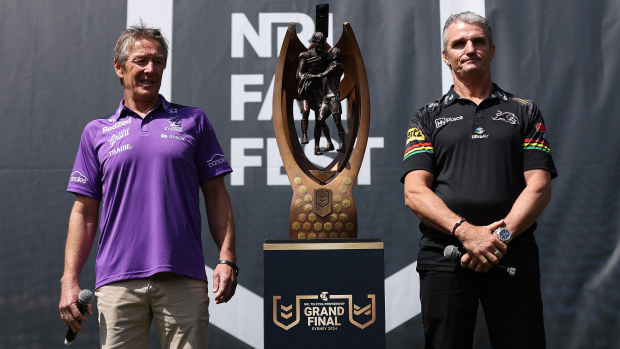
x=504, y=235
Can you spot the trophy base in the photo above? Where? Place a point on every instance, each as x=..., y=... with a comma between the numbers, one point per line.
x=324, y=294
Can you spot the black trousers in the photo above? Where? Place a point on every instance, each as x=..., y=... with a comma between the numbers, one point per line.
x=512, y=309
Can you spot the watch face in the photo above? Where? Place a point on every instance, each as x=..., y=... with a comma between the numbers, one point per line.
x=503, y=234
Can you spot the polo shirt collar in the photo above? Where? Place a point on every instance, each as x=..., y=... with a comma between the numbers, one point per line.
x=121, y=111
x=452, y=96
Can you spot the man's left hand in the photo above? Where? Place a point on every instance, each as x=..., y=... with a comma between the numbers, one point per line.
x=483, y=247
x=224, y=283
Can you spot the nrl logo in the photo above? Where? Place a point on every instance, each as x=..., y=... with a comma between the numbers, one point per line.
x=323, y=312
x=323, y=202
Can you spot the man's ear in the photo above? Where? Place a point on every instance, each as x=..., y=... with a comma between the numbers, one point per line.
x=119, y=72
x=445, y=58
x=118, y=69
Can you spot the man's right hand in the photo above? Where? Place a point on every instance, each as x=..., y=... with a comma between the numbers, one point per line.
x=483, y=247
x=69, y=312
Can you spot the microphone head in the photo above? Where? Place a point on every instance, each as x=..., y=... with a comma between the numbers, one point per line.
x=451, y=253
x=86, y=296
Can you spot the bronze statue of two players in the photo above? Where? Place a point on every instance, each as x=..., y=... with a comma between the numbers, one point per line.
x=320, y=78
x=319, y=74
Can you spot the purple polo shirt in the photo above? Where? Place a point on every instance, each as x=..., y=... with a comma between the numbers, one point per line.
x=147, y=173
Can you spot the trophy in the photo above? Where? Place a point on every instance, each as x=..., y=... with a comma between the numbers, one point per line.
x=320, y=79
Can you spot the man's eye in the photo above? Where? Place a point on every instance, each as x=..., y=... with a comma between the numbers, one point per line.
x=481, y=41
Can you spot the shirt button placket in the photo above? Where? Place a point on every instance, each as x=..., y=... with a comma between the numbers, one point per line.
x=144, y=126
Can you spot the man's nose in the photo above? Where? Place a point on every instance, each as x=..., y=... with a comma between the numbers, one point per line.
x=469, y=46
x=148, y=68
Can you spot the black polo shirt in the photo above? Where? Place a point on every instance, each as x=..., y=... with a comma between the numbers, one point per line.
x=478, y=154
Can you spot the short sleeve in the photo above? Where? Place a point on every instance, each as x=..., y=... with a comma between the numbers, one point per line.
x=419, y=152
x=85, y=176
x=211, y=159
x=536, y=148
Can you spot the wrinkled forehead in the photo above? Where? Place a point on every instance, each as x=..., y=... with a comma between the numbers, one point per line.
x=146, y=46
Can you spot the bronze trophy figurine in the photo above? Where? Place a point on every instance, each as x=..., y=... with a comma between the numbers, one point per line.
x=322, y=205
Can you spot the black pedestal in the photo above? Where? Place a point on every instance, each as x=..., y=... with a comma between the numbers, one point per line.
x=324, y=294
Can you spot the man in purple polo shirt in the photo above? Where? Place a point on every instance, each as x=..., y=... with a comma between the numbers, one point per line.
x=144, y=166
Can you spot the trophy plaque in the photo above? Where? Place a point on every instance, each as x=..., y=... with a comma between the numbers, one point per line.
x=319, y=78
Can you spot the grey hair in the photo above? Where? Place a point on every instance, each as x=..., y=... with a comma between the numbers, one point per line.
x=470, y=18
x=135, y=32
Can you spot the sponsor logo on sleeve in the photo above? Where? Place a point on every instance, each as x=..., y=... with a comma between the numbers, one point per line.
x=540, y=127
x=216, y=159
x=413, y=134
x=78, y=177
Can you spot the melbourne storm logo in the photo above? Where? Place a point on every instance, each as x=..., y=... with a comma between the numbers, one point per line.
x=175, y=125
x=506, y=117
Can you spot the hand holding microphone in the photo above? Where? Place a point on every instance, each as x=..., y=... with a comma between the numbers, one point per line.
x=85, y=297
x=452, y=253
x=483, y=246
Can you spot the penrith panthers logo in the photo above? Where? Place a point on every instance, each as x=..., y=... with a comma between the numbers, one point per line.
x=506, y=117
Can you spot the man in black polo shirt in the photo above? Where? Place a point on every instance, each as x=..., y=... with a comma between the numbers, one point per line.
x=477, y=171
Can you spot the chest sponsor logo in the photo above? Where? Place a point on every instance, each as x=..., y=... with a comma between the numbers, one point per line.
x=167, y=136
x=118, y=124
x=413, y=134
x=78, y=177
x=117, y=136
x=506, y=117
x=439, y=122
x=216, y=159
x=120, y=149
x=479, y=134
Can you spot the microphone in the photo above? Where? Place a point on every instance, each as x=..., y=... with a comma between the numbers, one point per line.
x=452, y=253
x=84, y=299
